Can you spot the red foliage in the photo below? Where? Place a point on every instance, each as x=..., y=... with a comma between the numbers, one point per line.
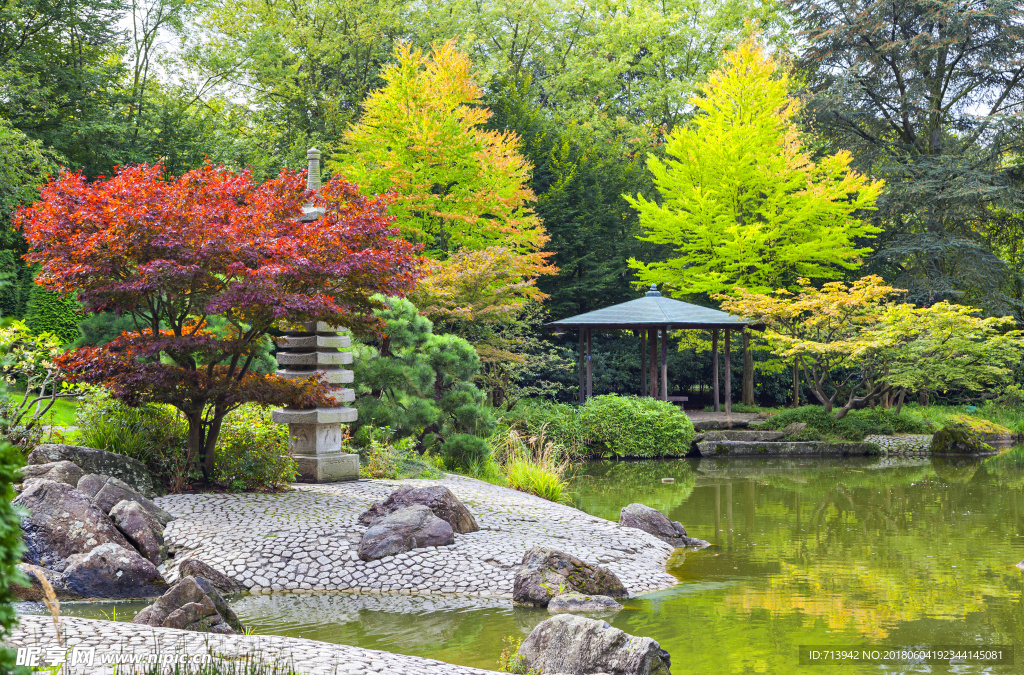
x=173, y=253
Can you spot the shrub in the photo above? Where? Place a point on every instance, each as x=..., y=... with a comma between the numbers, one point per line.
x=51, y=312
x=383, y=459
x=558, y=422
x=510, y=661
x=252, y=451
x=10, y=546
x=462, y=451
x=854, y=427
x=631, y=426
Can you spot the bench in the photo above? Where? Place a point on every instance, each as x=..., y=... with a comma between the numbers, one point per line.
x=678, y=399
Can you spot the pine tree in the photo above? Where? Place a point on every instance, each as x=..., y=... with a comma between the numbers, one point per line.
x=743, y=203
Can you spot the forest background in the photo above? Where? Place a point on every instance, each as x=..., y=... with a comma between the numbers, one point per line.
x=925, y=95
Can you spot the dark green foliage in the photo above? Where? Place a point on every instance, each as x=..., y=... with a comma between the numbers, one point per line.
x=50, y=312
x=579, y=180
x=101, y=329
x=463, y=451
x=416, y=383
x=10, y=546
x=633, y=426
x=853, y=427
x=11, y=302
x=925, y=95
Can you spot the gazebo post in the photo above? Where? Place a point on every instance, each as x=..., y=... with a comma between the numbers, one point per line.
x=590, y=370
x=652, y=389
x=643, y=361
x=714, y=367
x=583, y=367
x=728, y=375
x=664, y=363
x=748, y=370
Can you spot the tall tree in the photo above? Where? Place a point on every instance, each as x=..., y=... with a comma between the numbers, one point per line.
x=180, y=256
x=743, y=203
x=927, y=95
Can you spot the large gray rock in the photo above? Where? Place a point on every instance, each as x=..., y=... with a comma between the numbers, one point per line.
x=577, y=602
x=577, y=645
x=62, y=522
x=141, y=529
x=191, y=604
x=437, y=498
x=654, y=522
x=34, y=591
x=90, y=460
x=59, y=472
x=191, y=567
x=107, y=491
x=404, y=530
x=112, y=571
x=545, y=573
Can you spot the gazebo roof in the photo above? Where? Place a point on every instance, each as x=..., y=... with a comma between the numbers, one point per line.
x=650, y=311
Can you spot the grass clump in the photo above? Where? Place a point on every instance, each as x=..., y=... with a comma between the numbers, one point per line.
x=510, y=660
x=532, y=465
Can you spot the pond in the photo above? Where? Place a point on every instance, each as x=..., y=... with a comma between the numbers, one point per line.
x=844, y=552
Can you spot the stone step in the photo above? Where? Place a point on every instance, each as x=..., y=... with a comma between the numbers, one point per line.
x=757, y=448
x=742, y=435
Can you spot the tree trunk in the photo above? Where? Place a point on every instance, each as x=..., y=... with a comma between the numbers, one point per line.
x=748, y=371
x=196, y=444
x=899, y=401
x=209, y=453
x=796, y=384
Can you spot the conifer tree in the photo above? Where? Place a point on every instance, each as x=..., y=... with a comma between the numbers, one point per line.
x=743, y=203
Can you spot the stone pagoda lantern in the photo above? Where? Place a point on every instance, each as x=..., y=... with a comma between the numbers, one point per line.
x=316, y=433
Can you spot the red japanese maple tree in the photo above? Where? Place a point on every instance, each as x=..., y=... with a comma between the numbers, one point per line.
x=173, y=253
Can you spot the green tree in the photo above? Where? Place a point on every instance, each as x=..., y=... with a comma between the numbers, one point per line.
x=10, y=547
x=420, y=384
x=926, y=95
x=51, y=312
x=743, y=203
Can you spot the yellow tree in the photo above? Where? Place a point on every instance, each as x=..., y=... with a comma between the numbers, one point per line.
x=457, y=186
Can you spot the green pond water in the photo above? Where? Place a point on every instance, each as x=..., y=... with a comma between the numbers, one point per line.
x=893, y=552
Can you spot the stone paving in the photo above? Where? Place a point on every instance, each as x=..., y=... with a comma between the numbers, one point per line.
x=306, y=540
x=902, y=443
x=117, y=643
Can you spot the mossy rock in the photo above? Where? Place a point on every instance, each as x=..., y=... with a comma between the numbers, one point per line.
x=959, y=439
x=981, y=426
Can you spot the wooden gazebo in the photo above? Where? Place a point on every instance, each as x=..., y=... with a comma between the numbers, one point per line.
x=648, y=317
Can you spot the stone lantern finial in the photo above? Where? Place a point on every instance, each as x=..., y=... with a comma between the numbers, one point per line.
x=309, y=211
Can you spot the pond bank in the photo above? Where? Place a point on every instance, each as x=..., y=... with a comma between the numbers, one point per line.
x=306, y=540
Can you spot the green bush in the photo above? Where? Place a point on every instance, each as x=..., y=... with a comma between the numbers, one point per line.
x=252, y=451
x=50, y=312
x=10, y=546
x=632, y=426
x=558, y=422
x=384, y=459
x=462, y=451
x=854, y=427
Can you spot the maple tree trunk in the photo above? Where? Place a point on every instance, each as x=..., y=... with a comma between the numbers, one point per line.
x=209, y=454
x=796, y=385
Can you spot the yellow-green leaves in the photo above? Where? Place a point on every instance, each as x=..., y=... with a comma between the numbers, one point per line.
x=742, y=201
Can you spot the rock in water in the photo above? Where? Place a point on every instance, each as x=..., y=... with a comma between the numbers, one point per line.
x=62, y=522
x=192, y=567
x=107, y=491
x=404, y=530
x=59, y=472
x=437, y=498
x=90, y=460
x=577, y=602
x=577, y=645
x=141, y=529
x=34, y=591
x=112, y=571
x=654, y=522
x=191, y=604
x=545, y=573
x=958, y=439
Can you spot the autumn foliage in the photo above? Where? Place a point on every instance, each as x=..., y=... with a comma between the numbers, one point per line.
x=207, y=265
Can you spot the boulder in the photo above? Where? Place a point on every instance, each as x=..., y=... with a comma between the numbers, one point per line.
x=545, y=573
x=192, y=567
x=112, y=571
x=654, y=522
x=107, y=491
x=59, y=472
x=90, y=460
x=404, y=530
x=34, y=591
x=62, y=522
x=794, y=428
x=437, y=498
x=577, y=645
x=191, y=604
x=577, y=602
x=141, y=529
x=959, y=439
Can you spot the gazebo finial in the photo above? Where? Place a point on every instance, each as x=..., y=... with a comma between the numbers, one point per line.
x=653, y=292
